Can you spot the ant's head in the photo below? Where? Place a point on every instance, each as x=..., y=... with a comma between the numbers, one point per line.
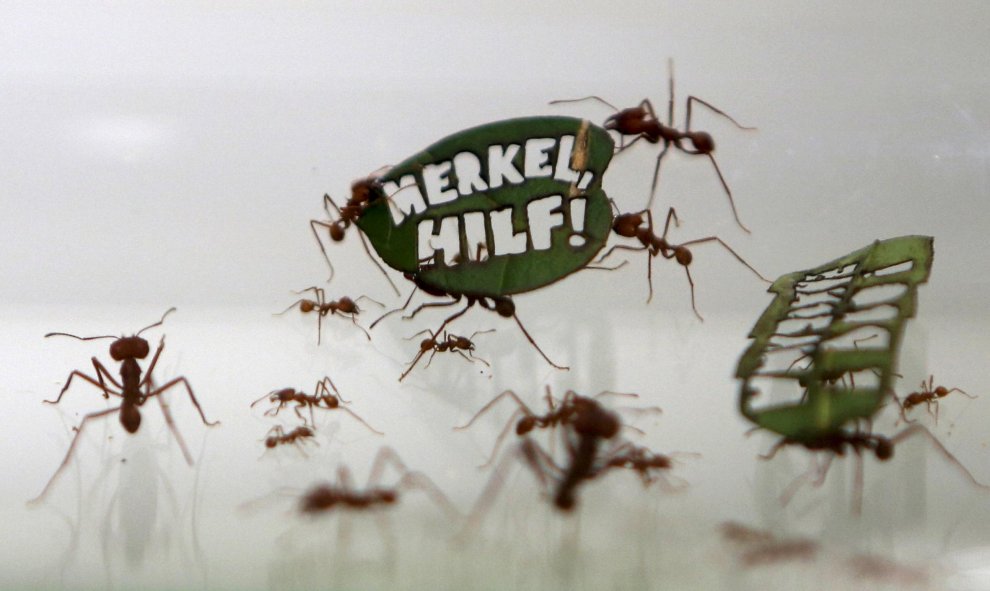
x=388, y=496
x=347, y=305
x=307, y=306
x=271, y=442
x=941, y=391
x=682, y=255
x=426, y=344
x=627, y=224
x=525, y=425
x=505, y=308
x=133, y=347
x=884, y=449
x=130, y=417
x=703, y=142
x=283, y=395
x=565, y=500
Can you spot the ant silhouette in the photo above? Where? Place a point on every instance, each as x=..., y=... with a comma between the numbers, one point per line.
x=449, y=342
x=125, y=350
x=927, y=395
x=277, y=436
x=561, y=412
x=325, y=396
x=859, y=441
x=344, y=306
x=633, y=225
x=501, y=305
x=641, y=121
x=326, y=496
x=364, y=191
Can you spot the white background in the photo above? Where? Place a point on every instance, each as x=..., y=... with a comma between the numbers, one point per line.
x=158, y=155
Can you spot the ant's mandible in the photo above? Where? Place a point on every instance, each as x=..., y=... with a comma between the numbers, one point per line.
x=343, y=306
x=364, y=191
x=325, y=396
x=463, y=346
x=641, y=121
x=639, y=226
x=126, y=351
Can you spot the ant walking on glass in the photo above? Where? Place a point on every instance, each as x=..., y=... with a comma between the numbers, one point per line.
x=133, y=389
x=641, y=122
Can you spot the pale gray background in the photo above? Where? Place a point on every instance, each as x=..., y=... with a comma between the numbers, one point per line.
x=154, y=155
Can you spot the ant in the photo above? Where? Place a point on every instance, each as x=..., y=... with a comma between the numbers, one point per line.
x=558, y=413
x=125, y=350
x=277, y=436
x=641, y=121
x=760, y=547
x=449, y=342
x=927, y=395
x=633, y=225
x=858, y=441
x=325, y=396
x=501, y=305
x=325, y=496
x=364, y=191
x=344, y=306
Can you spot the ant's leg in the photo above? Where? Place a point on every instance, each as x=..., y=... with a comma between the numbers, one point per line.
x=917, y=429
x=173, y=428
x=413, y=363
x=773, y=450
x=587, y=98
x=386, y=455
x=692, y=99
x=433, y=305
x=367, y=250
x=609, y=252
x=670, y=92
x=656, y=174
x=472, y=357
x=68, y=454
x=624, y=146
x=192, y=397
x=154, y=362
x=535, y=346
x=96, y=383
x=694, y=306
x=331, y=390
x=501, y=437
x=424, y=483
x=362, y=421
x=430, y=360
x=453, y=316
x=491, y=403
x=390, y=312
x=734, y=253
x=312, y=226
x=671, y=216
x=728, y=191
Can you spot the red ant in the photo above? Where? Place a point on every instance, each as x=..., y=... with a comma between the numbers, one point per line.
x=881, y=446
x=501, y=305
x=278, y=436
x=125, y=350
x=641, y=121
x=929, y=396
x=558, y=413
x=633, y=225
x=449, y=342
x=326, y=496
x=344, y=306
x=364, y=191
x=325, y=396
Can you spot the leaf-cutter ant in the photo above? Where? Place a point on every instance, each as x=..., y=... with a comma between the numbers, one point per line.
x=343, y=306
x=929, y=395
x=463, y=346
x=325, y=396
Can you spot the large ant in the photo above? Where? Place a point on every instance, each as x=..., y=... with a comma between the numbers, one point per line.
x=558, y=413
x=633, y=225
x=344, y=306
x=928, y=396
x=325, y=396
x=125, y=350
x=364, y=191
x=328, y=495
x=277, y=436
x=641, y=121
x=501, y=305
x=858, y=441
x=463, y=346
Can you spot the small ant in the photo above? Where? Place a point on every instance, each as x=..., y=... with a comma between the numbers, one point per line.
x=881, y=446
x=344, y=306
x=364, y=191
x=125, y=350
x=326, y=496
x=325, y=396
x=642, y=122
x=558, y=413
x=927, y=395
x=501, y=305
x=449, y=342
x=277, y=436
x=760, y=547
x=633, y=225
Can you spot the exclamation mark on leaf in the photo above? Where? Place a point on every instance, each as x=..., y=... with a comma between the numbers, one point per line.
x=578, y=206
